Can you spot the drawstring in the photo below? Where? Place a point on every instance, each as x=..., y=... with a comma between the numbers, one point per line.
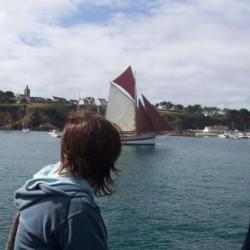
x=12, y=234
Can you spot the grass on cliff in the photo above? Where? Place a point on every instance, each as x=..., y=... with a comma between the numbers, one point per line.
x=45, y=116
x=40, y=116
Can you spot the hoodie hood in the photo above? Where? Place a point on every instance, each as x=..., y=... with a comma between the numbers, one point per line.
x=47, y=182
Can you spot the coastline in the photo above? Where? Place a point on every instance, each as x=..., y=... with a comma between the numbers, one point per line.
x=47, y=116
x=179, y=133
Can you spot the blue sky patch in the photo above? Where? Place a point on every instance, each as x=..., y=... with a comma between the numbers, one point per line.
x=101, y=14
x=32, y=39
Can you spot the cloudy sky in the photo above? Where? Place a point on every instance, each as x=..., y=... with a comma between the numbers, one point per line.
x=183, y=51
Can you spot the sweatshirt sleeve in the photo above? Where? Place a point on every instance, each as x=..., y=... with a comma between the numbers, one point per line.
x=84, y=230
x=246, y=244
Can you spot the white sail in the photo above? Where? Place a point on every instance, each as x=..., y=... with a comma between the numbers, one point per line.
x=121, y=109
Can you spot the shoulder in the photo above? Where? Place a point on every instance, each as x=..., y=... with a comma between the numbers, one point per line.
x=82, y=205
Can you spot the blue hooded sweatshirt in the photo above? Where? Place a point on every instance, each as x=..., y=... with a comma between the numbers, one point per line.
x=58, y=212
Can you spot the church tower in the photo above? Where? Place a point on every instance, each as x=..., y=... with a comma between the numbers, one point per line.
x=27, y=93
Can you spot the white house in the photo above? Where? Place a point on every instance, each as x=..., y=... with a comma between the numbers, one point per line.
x=215, y=129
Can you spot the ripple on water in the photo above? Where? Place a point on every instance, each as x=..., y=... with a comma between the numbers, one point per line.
x=184, y=193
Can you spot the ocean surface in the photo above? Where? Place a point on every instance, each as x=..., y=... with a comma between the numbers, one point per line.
x=182, y=193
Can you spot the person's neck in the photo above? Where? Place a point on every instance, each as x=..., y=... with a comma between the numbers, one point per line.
x=91, y=183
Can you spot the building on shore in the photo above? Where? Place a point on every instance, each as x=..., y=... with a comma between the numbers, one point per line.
x=217, y=129
x=87, y=100
x=92, y=101
x=101, y=101
x=25, y=97
x=36, y=99
x=59, y=99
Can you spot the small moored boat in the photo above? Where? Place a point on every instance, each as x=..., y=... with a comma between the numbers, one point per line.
x=55, y=133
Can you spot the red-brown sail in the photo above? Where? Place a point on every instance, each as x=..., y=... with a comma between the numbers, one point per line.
x=143, y=124
x=127, y=81
x=158, y=122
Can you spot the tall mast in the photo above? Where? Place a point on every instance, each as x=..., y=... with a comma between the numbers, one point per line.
x=25, y=125
x=78, y=103
x=136, y=113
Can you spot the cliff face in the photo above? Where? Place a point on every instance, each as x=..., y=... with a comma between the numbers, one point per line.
x=37, y=117
x=49, y=116
x=10, y=115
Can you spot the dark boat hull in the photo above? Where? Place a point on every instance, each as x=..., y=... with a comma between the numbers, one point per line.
x=138, y=140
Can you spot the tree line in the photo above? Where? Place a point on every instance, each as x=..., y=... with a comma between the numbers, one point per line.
x=196, y=116
x=7, y=97
x=184, y=117
x=195, y=109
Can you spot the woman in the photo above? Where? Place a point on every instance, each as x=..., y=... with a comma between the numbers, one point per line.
x=246, y=244
x=57, y=207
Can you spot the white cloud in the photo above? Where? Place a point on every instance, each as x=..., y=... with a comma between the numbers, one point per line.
x=184, y=51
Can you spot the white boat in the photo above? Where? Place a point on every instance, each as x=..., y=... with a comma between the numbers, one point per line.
x=138, y=120
x=25, y=130
x=234, y=135
x=55, y=133
x=241, y=135
x=223, y=136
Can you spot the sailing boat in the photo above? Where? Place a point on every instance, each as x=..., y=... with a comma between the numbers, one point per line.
x=139, y=121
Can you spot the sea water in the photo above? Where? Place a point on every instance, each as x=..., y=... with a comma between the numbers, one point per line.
x=182, y=193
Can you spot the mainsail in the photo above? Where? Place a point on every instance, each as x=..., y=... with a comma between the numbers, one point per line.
x=121, y=101
x=158, y=122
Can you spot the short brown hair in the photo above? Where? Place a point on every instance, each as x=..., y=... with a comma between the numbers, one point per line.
x=90, y=145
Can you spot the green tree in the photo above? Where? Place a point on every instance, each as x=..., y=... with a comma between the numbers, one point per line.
x=233, y=117
x=244, y=117
x=167, y=105
x=178, y=107
x=211, y=111
x=195, y=109
x=9, y=94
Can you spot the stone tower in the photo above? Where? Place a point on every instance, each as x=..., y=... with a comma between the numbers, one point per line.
x=27, y=93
